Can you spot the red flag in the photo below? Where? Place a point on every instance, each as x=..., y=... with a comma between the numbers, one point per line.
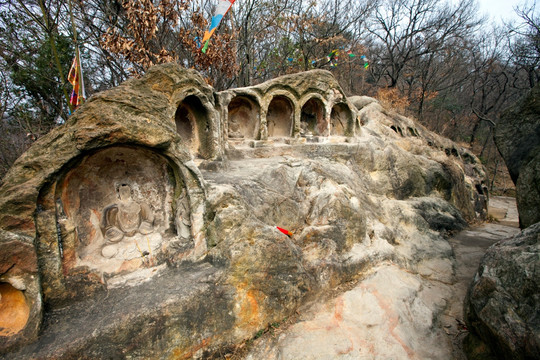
x=286, y=232
x=75, y=78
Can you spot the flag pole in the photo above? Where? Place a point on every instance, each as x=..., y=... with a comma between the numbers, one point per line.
x=77, y=52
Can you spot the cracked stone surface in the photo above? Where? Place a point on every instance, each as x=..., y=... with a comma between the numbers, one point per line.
x=394, y=313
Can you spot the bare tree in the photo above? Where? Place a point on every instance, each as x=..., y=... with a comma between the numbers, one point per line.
x=524, y=45
x=407, y=32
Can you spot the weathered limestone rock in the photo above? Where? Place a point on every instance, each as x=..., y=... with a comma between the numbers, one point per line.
x=503, y=302
x=392, y=314
x=517, y=136
x=151, y=215
x=61, y=200
x=360, y=101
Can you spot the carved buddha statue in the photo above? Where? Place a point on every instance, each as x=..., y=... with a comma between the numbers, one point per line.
x=234, y=129
x=126, y=218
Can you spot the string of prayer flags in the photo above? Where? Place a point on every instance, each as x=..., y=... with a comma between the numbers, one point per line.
x=222, y=8
x=366, y=63
x=75, y=78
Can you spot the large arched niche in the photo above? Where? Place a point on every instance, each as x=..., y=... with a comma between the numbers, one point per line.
x=243, y=115
x=279, y=117
x=114, y=211
x=193, y=125
x=312, y=118
x=341, y=119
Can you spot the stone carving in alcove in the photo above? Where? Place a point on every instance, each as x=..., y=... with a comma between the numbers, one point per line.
x=124, y=220
x=115, y=211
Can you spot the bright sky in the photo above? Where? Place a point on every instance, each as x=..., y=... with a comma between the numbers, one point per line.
x=499, y=10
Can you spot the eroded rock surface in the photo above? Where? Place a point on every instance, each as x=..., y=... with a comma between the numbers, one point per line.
x=503, y=303
x=152, y=213
x=392, y=313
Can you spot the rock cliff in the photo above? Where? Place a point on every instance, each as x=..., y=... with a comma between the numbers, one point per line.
x=517, y=136
x=146, y=226
x=503, y=303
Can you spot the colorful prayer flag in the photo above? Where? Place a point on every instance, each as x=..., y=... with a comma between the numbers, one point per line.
x=222, y=8
x=75, y=78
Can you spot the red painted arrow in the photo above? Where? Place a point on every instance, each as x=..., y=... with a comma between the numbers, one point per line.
x=286, y=232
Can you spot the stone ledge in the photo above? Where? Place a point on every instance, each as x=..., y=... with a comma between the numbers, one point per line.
x=146, y=320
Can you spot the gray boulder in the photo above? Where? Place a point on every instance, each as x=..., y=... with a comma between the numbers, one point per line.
x=360, y=101
x=503, y=302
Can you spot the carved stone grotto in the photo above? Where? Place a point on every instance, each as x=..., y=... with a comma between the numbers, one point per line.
x=146, y=225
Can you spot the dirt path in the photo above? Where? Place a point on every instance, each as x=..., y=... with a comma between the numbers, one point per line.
x=393, y=314
x=469, y=246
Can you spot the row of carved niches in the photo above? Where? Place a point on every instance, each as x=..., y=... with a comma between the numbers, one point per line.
x=243, y=115
x=115, y=212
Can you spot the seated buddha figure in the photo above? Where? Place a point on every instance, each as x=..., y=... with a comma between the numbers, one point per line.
x=125, y=218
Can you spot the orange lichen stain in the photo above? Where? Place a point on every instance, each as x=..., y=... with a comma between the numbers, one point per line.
x=338, y=312
x=393, y=321
x=252, y=304
x=248, y=301
x=187, y=353
x=14, y=311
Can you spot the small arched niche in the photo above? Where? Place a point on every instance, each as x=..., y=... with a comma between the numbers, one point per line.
x=312, y=118
x=243, y=114
x=14, y=311
x=193, y=126
x=341, y=120
x=114, y=211
x=279, y=117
